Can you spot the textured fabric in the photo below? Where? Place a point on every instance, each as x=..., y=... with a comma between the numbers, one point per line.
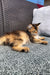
x=1, y=20
x=42, y=15
x=35, y=62
x=17, y=14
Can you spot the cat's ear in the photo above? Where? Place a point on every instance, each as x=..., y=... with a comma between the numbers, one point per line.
x=36, y=24
x=29, y=26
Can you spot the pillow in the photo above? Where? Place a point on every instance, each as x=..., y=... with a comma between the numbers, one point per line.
x=42, y=15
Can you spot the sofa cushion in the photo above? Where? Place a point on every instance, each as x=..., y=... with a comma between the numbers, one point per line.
x=42, y=15
x=17, y=14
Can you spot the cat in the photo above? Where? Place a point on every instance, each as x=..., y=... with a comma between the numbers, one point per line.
x=18, y=38
x=32, y=29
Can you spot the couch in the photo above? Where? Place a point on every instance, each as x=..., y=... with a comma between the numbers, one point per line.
x=16, y=15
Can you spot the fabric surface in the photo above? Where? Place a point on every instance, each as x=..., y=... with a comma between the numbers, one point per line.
x=1, y=20
x=16, y=14
x=35, y=62
x=42, y=15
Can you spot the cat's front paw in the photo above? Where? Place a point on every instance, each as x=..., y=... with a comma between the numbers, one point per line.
x=45, y=42
x=42, y=38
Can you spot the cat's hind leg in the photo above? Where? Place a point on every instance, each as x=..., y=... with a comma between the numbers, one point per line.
x=18, y=46
x=2, y=40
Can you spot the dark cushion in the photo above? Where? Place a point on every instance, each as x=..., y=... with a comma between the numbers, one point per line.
x=17, y=14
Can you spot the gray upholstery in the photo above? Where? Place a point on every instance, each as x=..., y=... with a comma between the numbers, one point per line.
x=16, y=14
x=1, y=19
x=35, y=62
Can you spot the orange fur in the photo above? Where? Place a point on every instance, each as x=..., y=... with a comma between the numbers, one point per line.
x=18, y=38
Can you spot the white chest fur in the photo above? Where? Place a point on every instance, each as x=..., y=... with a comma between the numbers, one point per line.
x=37, y=37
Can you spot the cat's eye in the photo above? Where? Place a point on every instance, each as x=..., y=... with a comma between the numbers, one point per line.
x=33, y=31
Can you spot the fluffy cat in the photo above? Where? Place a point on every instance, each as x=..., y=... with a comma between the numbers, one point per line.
x=18, y=38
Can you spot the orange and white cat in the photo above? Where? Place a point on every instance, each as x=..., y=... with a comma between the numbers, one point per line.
x=18, y=38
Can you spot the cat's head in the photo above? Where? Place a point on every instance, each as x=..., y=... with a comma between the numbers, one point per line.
x=33, y=28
